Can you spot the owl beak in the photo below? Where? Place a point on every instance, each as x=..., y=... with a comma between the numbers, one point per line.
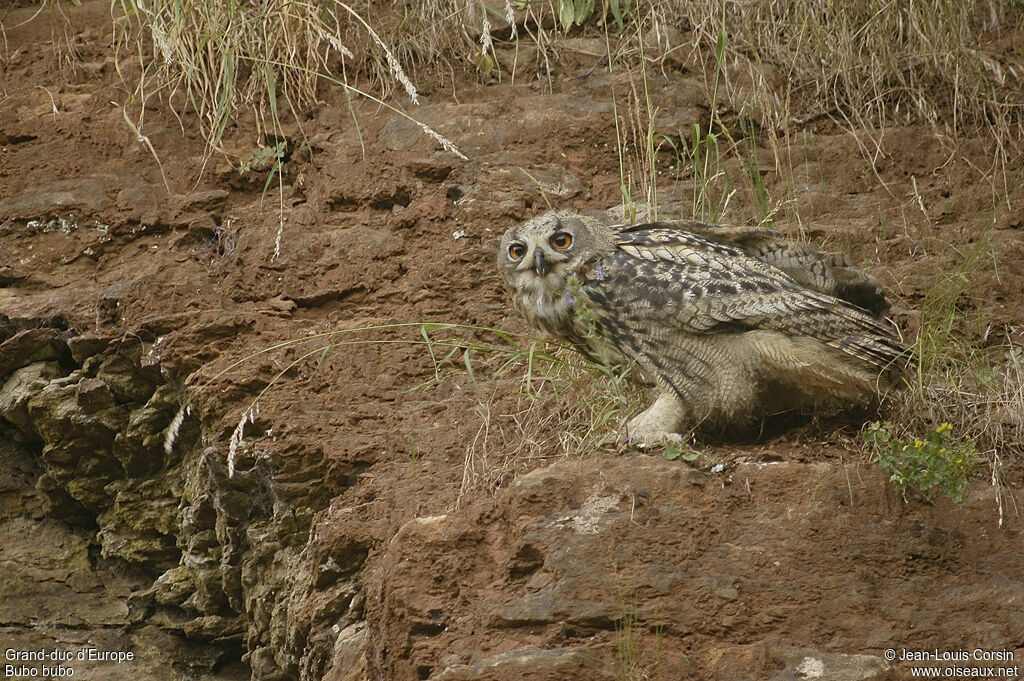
x=540, y=265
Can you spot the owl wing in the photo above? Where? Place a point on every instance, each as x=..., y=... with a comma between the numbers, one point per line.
x=682, y=282
x=833, y=274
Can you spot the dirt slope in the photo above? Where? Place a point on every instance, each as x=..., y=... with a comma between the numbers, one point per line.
x=341, y=548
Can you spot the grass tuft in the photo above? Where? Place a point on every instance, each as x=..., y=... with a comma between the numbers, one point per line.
x=216, y=59
x=972, y=394
x=545, y=403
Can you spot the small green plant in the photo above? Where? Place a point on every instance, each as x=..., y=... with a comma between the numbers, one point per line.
x=939, y=463
x=263, y=159
x=578, y=12
x=637, y=657
x=638, y=145
x=680, y=450
x=626, y=634
x=706, y=159
x=752, y=167
x=269, y=160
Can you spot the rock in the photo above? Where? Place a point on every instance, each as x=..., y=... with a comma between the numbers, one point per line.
x=215, y=628
x=127, y=380
x=50, y=581
x=29, y=346
x=434, y=168
x=207, y=201
x=402, y=134
x=139, y=446
x=176, y=655
x=141, y=524
x=532, y=664
x=210, y=595
x=9, y=276
x=92, y=394
x=402, y=217
x=509, y=188
x=77, y=443
x=98, y=439
x=20, y=387
x=88, y=344
x=264, y=666
x=581, y=555
x=60, y=420
x=140, y=198
x=282, y=303
x=122, y=542
x=86, y=482
x=45, y=197
x=348, y=659
x=19, y=471
x=173, y=586
x=792, y=663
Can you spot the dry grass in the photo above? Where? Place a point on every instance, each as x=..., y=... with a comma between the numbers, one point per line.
x=781, y=65
x=980, y=399
x=979, y=392
x=61, y=29
x=213, y=60
x=549, y=403
x=872, y=64
x=868, y=64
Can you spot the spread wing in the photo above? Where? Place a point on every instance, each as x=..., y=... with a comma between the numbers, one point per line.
x=678, y=281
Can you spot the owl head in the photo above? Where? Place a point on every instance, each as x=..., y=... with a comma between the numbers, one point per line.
x=542, y=253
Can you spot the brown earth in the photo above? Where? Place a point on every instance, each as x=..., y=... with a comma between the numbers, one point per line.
x=345, y=546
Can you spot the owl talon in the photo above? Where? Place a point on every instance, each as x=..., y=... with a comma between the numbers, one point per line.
x=643, y=443
x=659, y=425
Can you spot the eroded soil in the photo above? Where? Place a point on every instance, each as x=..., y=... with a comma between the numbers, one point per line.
x=347, y=545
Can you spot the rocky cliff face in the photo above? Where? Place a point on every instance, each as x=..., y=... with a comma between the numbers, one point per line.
x=93, y=510
x=358, y=537
x=637, y=568
x=123, y=522
x=610, y=567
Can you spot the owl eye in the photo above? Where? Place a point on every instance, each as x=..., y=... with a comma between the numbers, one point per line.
x=516, y=251
x=561, y=240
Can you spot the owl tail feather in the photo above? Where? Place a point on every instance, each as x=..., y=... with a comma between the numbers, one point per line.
x=887, y=356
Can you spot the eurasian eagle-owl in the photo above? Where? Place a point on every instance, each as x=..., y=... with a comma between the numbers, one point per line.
x=728, y=324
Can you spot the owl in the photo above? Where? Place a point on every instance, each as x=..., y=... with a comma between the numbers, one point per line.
x=726, y=325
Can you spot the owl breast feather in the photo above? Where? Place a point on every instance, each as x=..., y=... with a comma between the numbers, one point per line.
x=546, y=305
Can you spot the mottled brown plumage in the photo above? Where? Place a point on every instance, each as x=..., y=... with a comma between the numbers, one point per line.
x=728, y=324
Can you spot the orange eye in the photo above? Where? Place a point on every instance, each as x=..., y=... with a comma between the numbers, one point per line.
x=561, y=240
x=516, y=251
